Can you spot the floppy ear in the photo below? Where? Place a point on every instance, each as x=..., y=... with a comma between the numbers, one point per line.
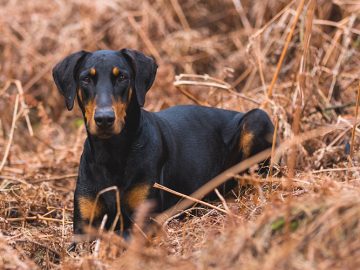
x=144, y=68
x=64, y=76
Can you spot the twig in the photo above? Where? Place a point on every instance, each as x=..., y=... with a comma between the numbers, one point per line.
x=339, y=137
x=138, y=235
x=277, y=16
x=335, y=24
x=242, y=77
x=274, y=139
x=240, y=10
x=55, y=178
x=223, y=201
x=246, y=179
x=186, y=211
x=145, y=38
x=37, y=217
x=11, y=135
x=208, y=84
x=63, y=225
x=259, y=62
x=180, y=14
x=192, y=98
x=118, y=209
x=45, y=70
x=101, y=229
x=292, y=155
x=344, y=50
x=24, y=106
x=352, y=145
x=287, y=43
x=11, y=178
x=6, y=86
x=27, y=241
x=204, y=77
x=334, y=107
x=337, y=170
x=158, y=186
x=193, y=79
x=334, y=44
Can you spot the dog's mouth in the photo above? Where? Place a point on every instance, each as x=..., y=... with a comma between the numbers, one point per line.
x=107, y=133
x=104, y=135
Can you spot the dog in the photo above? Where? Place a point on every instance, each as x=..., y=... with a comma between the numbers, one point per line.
x=181, y=147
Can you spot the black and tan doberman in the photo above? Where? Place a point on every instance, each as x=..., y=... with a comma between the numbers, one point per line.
x=181, y=148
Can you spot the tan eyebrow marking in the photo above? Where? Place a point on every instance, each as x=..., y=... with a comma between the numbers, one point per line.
x=116, y=71
x=92, y=71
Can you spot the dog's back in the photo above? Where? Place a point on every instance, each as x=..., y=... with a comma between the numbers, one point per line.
x=196, y=145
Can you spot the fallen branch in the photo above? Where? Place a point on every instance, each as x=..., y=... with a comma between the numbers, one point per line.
x=11, y=135
x=158, y=186
x=207, y=81
x=286, y=46
x=55, y=178
x=355, y=123
x=37, y=217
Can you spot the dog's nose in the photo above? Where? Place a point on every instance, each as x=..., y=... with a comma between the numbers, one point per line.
x=104, y=117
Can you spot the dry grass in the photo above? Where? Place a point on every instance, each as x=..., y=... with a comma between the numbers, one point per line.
x=304, y=73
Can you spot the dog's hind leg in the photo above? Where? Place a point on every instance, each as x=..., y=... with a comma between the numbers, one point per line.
x=248, y=135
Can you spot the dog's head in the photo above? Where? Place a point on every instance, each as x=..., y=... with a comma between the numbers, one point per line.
x=105, y=82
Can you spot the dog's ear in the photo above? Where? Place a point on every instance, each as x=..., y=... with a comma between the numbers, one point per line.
x=144, y=69
x=64, y=74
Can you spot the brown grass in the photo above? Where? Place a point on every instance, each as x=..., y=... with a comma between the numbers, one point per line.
x=227, y=54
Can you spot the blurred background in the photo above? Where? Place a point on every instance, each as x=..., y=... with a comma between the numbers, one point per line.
x=196, y=37
x=221, y=53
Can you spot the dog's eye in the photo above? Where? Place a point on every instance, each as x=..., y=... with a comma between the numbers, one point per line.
x=86, y=79
x=121, y=77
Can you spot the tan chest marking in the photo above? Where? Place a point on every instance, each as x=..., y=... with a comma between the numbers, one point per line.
x=86, y=206
x=137, y=195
